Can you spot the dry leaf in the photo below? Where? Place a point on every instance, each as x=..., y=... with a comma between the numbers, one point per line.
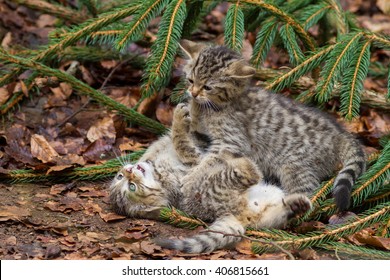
x=375, y=241
x=42, y=150
x=4, y=95
x=102, y=129
x=384, y=5
x=13, y=213
x=6, y=41
x=111, y=217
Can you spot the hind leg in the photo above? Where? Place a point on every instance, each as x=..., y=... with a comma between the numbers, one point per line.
x=296, y=179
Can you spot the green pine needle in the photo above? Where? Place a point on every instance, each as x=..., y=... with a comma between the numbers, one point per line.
x=234, y=27
x=163, y=51
x=336, y=64
x=264, y=40
x=290, y=42
x=310, y=15
x=353, y=79
x=356, y=252
x=138, y=24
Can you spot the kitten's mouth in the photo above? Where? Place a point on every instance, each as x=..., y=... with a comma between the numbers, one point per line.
x=140, y=168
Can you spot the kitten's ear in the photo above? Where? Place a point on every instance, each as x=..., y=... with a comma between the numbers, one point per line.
x=191, y=49
x=241, y=70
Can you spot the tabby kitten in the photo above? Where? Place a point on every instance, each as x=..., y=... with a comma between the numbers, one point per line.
x=297, y=145
x=223, y=194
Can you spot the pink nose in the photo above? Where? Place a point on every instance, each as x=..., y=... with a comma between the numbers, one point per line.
x=129, y=169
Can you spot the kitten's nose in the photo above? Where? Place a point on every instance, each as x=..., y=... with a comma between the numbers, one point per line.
x=129, y=169
x=195, y=91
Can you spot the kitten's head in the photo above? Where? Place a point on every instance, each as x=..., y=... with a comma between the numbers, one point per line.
x=135, y=192
x=215, y=74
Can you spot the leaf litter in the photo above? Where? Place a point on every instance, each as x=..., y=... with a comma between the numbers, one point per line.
x=58, y=129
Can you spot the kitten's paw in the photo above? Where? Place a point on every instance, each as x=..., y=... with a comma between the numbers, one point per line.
x=182, y=113
x=298, y=204
x=246, y=169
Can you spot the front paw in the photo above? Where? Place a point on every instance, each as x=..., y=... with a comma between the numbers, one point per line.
x=181, y=117
x=297, y=204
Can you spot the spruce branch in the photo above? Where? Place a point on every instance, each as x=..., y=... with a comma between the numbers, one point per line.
x=163, y=51
x=194, y=10
x=359, y=252
x=78, y=32
x=288, y=19
x=83, y=88
x=310, y=15
x=352, y=88
x=379, y=213
x=264, y=40
x=234, y=27
x=53, y=9
x=178, y=218
x=139, y=22
x=339, y=58
x=290, y=42
x=310, y=63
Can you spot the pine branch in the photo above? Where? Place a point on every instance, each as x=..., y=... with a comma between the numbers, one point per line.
x=194, y=10
x=83, y=88
x=264, y=40
x=339, y=58
x=375, y=176
x=310, y=15
x=139, y=22
x=180, y=219
x=350, y=91
x=234, y=27
x=53, y=9
x=73, y=36
x=358, y=252
x=309, y=64
x=290, y=42
x=163, y=51
x=90, y=173
x=288, y=19
x=379, y=213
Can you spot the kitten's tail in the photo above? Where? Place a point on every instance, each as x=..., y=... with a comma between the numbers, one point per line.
x=224, y=232
x=354, y=165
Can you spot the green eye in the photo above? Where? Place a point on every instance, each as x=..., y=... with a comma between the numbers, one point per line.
x=119, y=176
x=132, y=187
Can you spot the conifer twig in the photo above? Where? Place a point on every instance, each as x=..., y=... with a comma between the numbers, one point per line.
x=83, y=88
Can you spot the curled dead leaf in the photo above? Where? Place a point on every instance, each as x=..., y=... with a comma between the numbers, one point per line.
x=42, y=150
x=102, y=129
x=13, y=213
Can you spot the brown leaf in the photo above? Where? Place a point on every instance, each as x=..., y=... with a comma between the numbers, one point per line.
x=97, y=150
x=131, y=237
x=4, y=95
x=5, y=44
x=13, y=213
x=244, y=247
x=57, y=168
x=45, y=20
x=132, y=146
x=376, y=241
x=102, y=129
x=60, y=188
x=66, y=204
x=384, y=5
x=42, y=150
x=11, y=241
x=111, y=217
x=164, y=113
x=150, y=248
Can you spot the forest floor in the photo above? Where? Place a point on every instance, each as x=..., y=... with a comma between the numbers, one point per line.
x=56, y=129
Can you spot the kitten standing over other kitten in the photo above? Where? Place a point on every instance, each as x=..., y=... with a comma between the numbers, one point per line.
x=298, y=145
x=223, y=195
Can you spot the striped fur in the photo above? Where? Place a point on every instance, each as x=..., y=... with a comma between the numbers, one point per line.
x=297, y=145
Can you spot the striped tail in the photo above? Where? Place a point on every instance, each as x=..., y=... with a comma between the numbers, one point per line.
x=224, y=232
x=354, y=165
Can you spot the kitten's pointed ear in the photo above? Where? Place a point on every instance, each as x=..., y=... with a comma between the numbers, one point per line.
x=241, y=70
x=191, y=49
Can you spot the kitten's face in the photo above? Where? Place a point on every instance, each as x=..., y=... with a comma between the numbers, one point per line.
x=215, y=75
x=135, y=192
